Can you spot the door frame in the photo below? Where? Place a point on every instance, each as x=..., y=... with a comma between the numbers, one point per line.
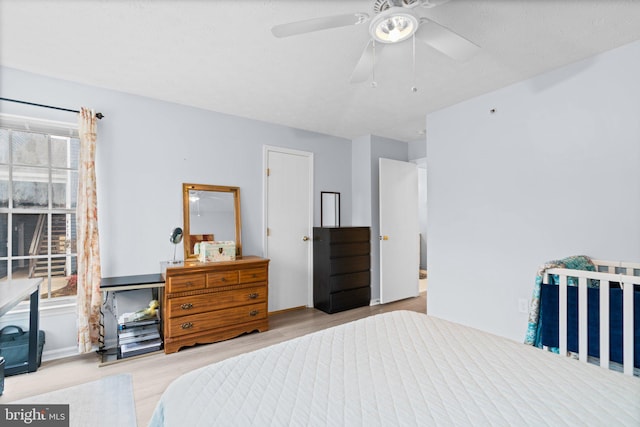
x=409, y=171
x=265, y=200
x=422, y=209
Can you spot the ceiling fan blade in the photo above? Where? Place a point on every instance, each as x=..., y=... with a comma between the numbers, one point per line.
x=317, y=24
x=364, y=67
x=445, y=40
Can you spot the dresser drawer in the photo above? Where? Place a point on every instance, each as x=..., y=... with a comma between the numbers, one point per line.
x=349, y=299
x=343, y=282
x=207, y=321
x=189, y=282
x=349, y=234
x=349, y=249
x=222, y=278
x=349, y=264
x=251, y=275
x=194, y=304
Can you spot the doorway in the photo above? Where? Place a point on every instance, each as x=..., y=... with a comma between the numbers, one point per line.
x=422, y=219
x=288, y=227
x=399, y=230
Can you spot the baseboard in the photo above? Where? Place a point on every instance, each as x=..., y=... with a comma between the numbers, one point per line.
x=375, y=301
x=59, y=353
x=302, y=307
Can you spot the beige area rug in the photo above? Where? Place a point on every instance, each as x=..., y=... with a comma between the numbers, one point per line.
x=106, y=402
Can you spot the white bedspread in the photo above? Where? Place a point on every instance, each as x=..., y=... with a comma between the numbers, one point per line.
x=400, y=368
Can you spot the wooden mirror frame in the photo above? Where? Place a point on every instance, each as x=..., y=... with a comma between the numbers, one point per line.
x=186, y=214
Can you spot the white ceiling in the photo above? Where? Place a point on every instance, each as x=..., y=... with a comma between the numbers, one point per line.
x=220, y=55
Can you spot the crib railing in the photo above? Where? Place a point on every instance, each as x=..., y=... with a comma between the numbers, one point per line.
x=623, y=273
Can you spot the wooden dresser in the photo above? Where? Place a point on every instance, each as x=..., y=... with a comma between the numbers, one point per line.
x=209, y=302
x=341, y=268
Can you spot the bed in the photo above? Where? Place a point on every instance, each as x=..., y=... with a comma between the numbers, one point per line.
x=400, y=368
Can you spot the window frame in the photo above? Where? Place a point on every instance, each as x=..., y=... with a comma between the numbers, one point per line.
x=49, y=128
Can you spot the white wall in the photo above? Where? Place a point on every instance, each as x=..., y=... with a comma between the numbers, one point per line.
x=555, y=171
x=148, y=148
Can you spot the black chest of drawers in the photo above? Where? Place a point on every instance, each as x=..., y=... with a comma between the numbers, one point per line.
x=341, y=268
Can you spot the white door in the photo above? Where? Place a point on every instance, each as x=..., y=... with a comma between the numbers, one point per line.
x=399, y=231
x=289, y=221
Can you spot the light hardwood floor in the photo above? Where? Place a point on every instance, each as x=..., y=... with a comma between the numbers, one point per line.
x=153, y=373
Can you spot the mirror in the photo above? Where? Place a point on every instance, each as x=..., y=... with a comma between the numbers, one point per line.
x=211, y=212
x=329, y=209
x=175, y=237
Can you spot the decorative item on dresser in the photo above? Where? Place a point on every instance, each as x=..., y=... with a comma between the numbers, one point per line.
x=214, y=301
x=341, y=268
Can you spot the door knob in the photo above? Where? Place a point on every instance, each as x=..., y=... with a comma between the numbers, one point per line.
x=305, y=238
x=383, y=237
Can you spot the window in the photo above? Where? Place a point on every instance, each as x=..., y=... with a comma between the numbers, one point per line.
x=38, y=191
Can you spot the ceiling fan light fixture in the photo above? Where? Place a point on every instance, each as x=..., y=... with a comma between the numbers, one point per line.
x=393, y=26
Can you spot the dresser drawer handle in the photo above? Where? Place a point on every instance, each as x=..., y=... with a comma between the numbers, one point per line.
x=189, y=283
x=254, y=275
x=187, y=306
x=253, y=313
x=253, y=295
x=186, y=325
x=224, y=279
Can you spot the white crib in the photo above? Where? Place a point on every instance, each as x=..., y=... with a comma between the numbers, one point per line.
x=625, y=273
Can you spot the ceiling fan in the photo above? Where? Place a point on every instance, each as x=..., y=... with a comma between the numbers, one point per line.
x=394, y=21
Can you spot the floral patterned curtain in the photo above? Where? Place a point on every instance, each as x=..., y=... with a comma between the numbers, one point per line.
x=89, y=296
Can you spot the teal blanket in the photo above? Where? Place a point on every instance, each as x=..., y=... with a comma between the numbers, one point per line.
x=577, y=262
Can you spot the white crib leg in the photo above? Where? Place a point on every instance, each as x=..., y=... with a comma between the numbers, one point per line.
x=562, y=315
x=627, y=320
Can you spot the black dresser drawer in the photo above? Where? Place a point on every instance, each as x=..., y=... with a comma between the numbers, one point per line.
x=345, y=282
x=341, y=268
x=349, y=249
x=349, y=299
x=349, y=264
x=350, y=234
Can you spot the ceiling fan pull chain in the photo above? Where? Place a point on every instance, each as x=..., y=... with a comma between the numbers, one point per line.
x=414, y=88
x=374, y=84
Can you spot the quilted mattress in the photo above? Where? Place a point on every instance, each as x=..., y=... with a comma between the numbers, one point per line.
x=400, y=368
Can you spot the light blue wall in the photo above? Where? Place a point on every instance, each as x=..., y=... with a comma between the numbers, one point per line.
x=417, y=149
x=147, y=148
x=361, y=181
x=555, y=171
